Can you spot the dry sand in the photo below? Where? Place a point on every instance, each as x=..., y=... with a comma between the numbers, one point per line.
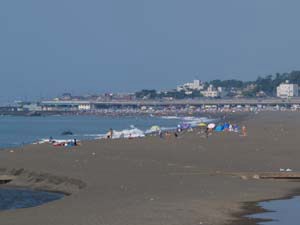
x=152, y=181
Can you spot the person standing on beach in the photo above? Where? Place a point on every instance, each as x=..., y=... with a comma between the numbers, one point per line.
x=168, y=135
x=230, y=127
x=175, y=134
x=178, y=128
x=160, y=133
x=206, y=132
x=244, y=131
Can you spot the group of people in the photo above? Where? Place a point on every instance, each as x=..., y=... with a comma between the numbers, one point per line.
x=168, y=134
x=231, y=127
x=227, y=127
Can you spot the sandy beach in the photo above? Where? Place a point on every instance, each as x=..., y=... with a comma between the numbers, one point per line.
x=151, y=181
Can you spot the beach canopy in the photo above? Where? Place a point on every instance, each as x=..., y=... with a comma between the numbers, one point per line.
x=211, y=125
x=202, y=125
x=155, y=128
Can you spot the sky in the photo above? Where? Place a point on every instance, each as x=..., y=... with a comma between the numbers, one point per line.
x=95, y=46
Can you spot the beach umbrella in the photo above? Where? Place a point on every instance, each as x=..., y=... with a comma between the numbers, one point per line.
x=211, y=125
x=202, y=125
x=155, y=128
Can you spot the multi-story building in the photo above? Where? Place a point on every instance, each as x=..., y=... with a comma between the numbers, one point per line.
x=212, y=92
x=196, y=85
x=286, y=90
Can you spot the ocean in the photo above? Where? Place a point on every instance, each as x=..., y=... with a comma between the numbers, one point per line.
x=17, y=131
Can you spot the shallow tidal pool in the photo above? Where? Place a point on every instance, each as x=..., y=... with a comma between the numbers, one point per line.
x=19, y=198
x=281, y=212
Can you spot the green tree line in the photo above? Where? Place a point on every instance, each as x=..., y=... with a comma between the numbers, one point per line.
x=266, y=84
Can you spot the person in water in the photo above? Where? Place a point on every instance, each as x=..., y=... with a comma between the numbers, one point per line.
x=110, y=133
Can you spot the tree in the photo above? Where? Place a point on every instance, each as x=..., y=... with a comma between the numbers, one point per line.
x=151, y=94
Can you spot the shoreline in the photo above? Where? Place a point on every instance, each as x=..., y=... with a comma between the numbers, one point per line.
x=185, y=118
x=247, y=208
x=217, y=117
x=173, y=182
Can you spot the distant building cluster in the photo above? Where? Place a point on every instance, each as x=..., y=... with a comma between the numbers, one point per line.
x=197, y=85
x=227, y=92
x=206, y=95
x=284, y=90
x=287, y=90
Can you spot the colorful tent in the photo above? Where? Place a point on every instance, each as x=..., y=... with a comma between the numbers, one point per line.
x=219, y=128
x=226, y=125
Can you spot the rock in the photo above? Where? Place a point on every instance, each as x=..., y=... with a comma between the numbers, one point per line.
x=256, y=176
x=244, y=177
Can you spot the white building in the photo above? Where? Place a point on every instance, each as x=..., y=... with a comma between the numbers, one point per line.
x=212, y=92
x=196, y=85
x=286, y=90
x=32, y=107
x=84, y=106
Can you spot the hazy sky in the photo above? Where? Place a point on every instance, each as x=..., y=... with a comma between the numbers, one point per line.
x=89, y=46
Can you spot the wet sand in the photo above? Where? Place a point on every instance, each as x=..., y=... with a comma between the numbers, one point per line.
x=191, y=180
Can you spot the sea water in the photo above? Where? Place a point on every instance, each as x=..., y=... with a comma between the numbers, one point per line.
x=16, y=131
x=281, y=212
x=11, y=199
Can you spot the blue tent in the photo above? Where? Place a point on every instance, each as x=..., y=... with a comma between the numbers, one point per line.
x=219, y=128
x=226, y=126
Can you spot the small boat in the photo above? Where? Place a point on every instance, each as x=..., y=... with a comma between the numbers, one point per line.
x=34, y=113
x=67, y=132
